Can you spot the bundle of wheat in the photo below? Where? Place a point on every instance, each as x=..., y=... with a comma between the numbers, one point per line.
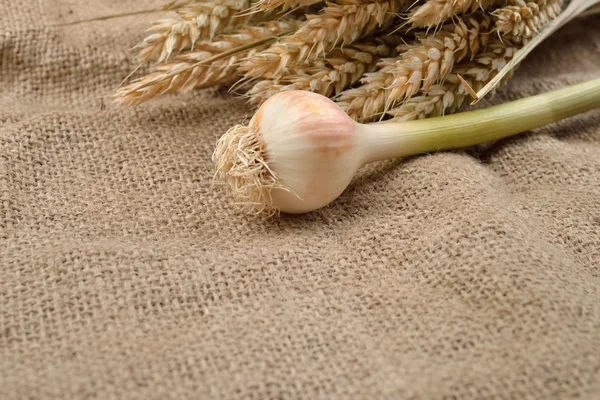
x=378, y=59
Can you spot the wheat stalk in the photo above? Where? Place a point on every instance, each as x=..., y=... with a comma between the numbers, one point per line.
x=175, y=5
x=436, y=12
x=199, y=21
x=189, y=72
x=419, y=67
x=328, y=75
x=448, y=97
x=335, y=25
x=524, y=19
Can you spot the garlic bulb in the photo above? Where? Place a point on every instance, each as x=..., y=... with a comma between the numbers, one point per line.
x=298, y=153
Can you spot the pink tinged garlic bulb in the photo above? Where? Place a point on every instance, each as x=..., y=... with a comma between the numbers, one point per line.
x=300, y=150
x=308, y=153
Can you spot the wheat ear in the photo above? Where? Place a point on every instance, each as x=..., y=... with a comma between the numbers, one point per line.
x=436, y=12
x=199, y=21
x=524, y=19
x=189, y=72
x=335, y=25
x=448, y=97
x=419, y=67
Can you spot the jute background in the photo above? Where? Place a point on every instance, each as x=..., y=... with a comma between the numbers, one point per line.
x=125, y=274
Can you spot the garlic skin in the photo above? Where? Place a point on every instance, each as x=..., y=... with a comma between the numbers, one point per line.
x=311, y=146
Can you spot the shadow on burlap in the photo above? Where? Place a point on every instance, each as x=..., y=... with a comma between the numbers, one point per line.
x=125, y=274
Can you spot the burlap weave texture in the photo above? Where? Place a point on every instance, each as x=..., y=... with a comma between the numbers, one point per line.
x=124, y=274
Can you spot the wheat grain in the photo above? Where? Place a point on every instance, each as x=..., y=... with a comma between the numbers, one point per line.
x=200, y=21
x=184, y=75
x=436, y=12
x=419, y=67
x=449, y=97
x=335, y=25
x=478, y=37
x=438, y=100
x=524, y=19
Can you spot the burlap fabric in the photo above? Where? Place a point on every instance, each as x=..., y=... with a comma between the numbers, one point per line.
x=125, y=274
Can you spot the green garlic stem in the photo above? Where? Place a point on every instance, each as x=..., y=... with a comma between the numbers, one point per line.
x=392, y=140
